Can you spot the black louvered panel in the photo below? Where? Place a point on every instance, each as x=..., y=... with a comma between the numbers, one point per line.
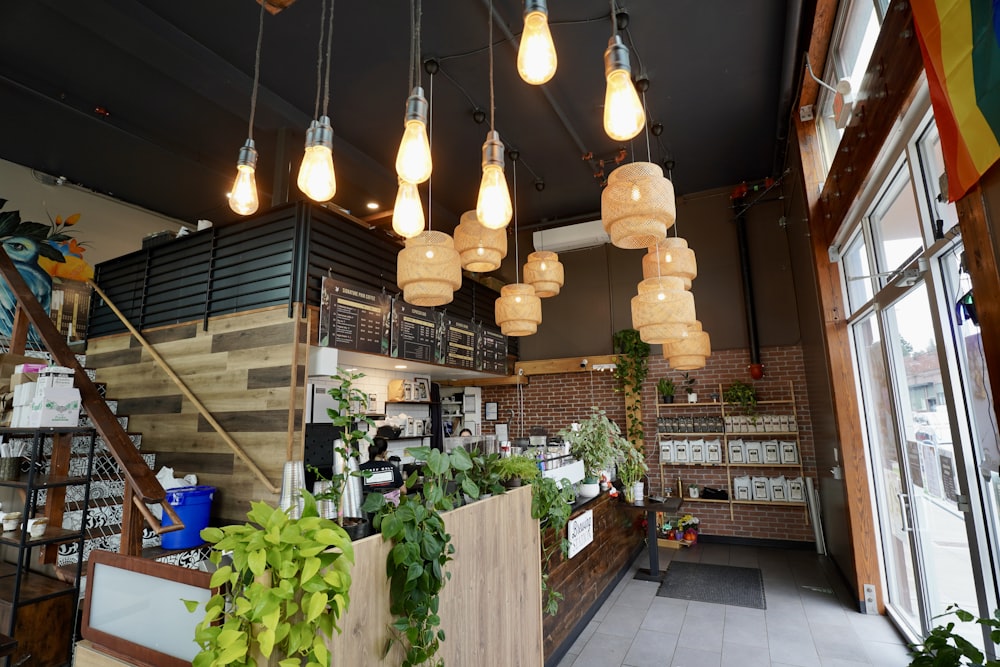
x=177, y=281
x=123, y=281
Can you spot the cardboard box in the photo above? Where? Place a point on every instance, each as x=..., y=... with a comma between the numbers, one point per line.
x=56, y=376
x=55, y=406
x=9, y=362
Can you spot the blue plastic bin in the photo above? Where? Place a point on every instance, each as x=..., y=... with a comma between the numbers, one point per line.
x=192, y=504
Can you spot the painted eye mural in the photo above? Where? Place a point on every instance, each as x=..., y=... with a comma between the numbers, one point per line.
x=44, y=254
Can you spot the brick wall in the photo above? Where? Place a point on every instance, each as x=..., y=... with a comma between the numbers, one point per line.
x=553, y=401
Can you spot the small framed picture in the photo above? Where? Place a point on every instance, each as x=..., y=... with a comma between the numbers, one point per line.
x=491, y=411
x=421, y=388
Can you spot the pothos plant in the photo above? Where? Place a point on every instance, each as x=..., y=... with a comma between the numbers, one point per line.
x=286, y=586
x=421, y=549
x=551, y=504
x=743, y=395
x=349, y=415
x=944, y=647
x=631, y=369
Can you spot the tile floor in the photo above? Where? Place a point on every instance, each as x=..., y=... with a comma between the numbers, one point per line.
x=810, y=620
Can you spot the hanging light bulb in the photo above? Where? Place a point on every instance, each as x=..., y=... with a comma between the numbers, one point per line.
x=408, y=213
x=413, y=161
x=493, y=207
x=536, y=56
x=623, y=113
x=316, y=176
x=243, y=198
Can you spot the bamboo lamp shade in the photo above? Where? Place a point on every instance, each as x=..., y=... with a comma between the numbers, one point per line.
x=662, y=311
x=670, y=257
x=638, y=206
x=428, y=269
x=544, y=272
x=691, y=351
x=480, y=248
x=518, y=310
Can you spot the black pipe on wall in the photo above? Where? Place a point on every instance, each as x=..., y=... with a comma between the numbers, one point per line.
x=748, y=300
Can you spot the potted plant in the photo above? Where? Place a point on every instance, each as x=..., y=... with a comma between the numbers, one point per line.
x=512, y=470
x=944, y=647
x=631, y=369
x=742, y=394
x=688, y=383
x=349, y=415
x=552, y=505
x=687, y=528
x=631, y=469
x=482, y=480
x=281, y=590
x=665, y=388
x=596, y=444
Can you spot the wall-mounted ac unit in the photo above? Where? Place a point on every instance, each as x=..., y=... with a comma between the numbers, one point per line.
x=571, y=237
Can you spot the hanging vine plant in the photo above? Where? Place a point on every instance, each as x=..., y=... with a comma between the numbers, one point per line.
x=631, y=369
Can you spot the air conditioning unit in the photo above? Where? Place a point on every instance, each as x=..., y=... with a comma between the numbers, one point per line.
x=571, y=237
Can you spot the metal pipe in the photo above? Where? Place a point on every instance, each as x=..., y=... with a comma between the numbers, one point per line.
x=748, y=300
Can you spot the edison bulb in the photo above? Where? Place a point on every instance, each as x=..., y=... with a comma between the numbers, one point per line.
x=493, y=207
x=316, y=177
x=480, y=251
x=429, y=254
x=413, y=161
x=667, y=257
x=543, y=266
x=635, y=194
x=623, y=114
x=536, y=56
x=243, y=198
x=408, y=213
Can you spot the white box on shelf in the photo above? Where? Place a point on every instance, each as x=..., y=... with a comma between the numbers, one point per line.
x=760, y=488
x=741, y=488
x=681, y=451
x=796, y=490
x=754, y=452
x=696, y=451
x=55, y=406
x=778, y=488
x=737, y=451
x=666, y=451
x=789, y=452
x=771, y=452
x=713, y=451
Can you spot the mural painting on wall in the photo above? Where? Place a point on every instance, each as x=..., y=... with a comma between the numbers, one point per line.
x=50, y=259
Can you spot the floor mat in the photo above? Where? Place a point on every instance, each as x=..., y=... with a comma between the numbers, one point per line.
x=721, y=584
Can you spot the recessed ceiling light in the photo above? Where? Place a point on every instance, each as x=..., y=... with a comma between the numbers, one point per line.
x=400, y=366
x=372, y=205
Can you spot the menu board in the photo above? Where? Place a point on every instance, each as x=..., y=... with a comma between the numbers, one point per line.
x=414, y=331
x=491, y=350
x=354, y=317
x=459, y=338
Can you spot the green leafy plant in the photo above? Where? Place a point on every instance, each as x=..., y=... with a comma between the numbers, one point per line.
x=349, y=415
x=517, y=467
x=484, y=475
x=665, y=388
x=552, y=505
x=688, y=383
x=943, y=647
x=421, y=549
x=597, y=443
x=631, y=369
x=631, y=469
x=742, y=394
x=287, y=584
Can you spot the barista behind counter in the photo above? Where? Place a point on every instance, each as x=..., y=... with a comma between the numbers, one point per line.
x=384, y=477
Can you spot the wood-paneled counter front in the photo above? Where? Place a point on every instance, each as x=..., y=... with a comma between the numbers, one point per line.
x=589, y=575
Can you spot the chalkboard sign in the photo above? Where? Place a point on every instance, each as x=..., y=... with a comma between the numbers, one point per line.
x=459, y=343
x=414, y=332
x=491, y=350
x=948, y=476
x=353, y=317
x=913, y=461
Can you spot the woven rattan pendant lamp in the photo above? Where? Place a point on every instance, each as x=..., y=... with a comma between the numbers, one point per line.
x=663, y=311
x=671, y=257
x=690, y=352
x=480, y=248
x=637, y=206
x=544, y=272
x=518, y=311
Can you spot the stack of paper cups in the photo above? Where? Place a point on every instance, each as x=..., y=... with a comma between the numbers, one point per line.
x=293, y=479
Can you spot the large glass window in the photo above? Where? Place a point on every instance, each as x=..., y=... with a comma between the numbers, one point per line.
x=895, y=225
x=858, y=273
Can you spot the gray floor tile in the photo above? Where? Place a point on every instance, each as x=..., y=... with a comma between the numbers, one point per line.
x=622, y=621
x=665, y=615
x=743, y=629
x=703, y=632
x=603, y=650
x=568, y=660
x=739, y=655
x=795, y=650
x=638, y=594
x=584, y=637
x=651, y=649
x=886, y=654
x=685, y=656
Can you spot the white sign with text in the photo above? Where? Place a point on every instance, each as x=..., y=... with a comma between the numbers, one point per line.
x=580, y=532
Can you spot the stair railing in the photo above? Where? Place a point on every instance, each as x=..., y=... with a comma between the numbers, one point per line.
x=141, y=485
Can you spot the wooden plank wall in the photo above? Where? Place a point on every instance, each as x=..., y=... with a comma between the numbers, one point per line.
x=248, y=369
x=491, y=607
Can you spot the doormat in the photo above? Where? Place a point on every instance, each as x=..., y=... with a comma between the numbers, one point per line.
x=721, y=584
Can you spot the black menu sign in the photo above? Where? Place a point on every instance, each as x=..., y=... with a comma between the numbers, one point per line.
x=354, y=317
x=459, y=343
x=414, y=331
x=492, y=351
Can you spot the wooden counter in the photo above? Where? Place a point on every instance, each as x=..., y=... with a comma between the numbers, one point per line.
x=586, y=579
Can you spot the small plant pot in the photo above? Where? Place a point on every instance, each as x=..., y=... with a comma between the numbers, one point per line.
x=667, y=399
x=638, y=491
x=692, y=397
x=11, y=521
x=589, y=490
x=36, y=527
x=356, y=528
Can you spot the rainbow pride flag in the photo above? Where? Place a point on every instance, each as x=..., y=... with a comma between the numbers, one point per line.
x=960, y=43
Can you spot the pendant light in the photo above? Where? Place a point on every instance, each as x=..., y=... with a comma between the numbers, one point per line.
x=413, y=160
x=691, y=351
x=316, y=175
x=493, y=207
x=544, y=272
x=536, y=55
x=408, y=212
x=518, y=310
x=637, y=206
x=663, y=311
x=481, y=249
x=671, y=257
x=428, y=269
x=624, y=116
x=243, y=198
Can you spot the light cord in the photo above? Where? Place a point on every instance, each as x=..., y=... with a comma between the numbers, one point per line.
x=413, y=38
x=416, y=48
x=319, y=57
x=614, y=24
x=329, y=45
x=649, y=154
x=430, y=143
x=256, y=69
x=517, y=256
x=492, y=104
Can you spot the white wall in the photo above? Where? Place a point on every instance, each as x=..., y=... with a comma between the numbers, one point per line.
x=109, y=228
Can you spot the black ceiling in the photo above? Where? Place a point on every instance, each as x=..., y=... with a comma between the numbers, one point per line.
x=148, y=100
